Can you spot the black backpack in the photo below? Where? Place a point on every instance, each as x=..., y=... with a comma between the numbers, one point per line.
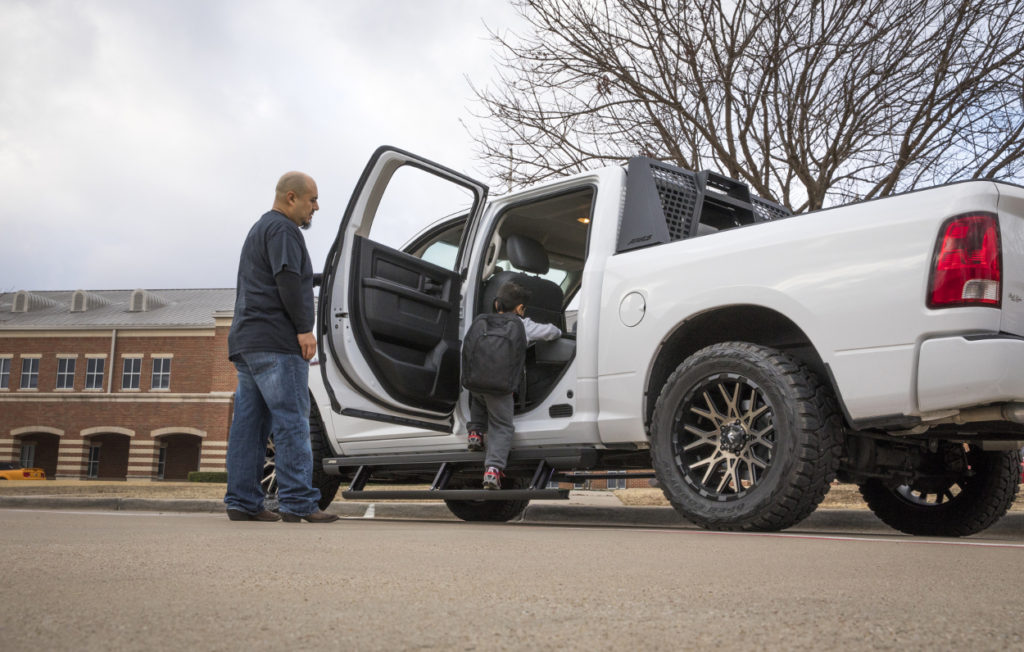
x=493, y=354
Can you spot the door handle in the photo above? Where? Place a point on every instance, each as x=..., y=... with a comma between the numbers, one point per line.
x=432, y=288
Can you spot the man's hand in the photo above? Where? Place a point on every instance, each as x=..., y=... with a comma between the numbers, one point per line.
x=308, y=345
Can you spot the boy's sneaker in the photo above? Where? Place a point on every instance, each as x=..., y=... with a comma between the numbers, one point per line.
x=475, y=440
x=492, y=479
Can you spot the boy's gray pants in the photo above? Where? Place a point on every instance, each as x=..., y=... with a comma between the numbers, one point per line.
x=492, y=414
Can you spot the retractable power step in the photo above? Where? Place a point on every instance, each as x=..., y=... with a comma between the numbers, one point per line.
x=536, y=491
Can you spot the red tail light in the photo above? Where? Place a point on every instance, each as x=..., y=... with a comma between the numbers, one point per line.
x=967, y=265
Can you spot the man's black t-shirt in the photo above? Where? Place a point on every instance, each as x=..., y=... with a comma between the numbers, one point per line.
x=261, y=322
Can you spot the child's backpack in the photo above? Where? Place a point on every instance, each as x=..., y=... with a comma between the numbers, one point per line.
x=493, y=354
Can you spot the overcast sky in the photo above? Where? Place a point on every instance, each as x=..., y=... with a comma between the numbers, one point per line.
x=140, y=139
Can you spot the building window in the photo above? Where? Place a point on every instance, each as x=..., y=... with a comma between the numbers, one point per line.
x=30, y=373
x=65, y=373
x=94, y=373
x=5, y=373
x=161, y=373
x=132, y=373
x=617, y=483
x=28, y=454
x=93, y=470
x=161, y=463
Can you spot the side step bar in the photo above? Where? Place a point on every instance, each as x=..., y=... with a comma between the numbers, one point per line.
x=536, y=491
x=458, y=494
x=561, y=457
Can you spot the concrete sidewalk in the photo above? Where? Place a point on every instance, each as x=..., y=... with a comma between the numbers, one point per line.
x=583, y=508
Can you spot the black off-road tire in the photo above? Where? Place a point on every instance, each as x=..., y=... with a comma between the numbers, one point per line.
x=745, y=437
x=327, y=484
x=498, y=511
x=951, y=508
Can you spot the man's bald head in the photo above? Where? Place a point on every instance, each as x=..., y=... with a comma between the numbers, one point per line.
x=296, y=197
x=295, y=182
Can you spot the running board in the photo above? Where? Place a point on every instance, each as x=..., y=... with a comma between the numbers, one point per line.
x=537, y=489
x=458, y=494
x=561, y=457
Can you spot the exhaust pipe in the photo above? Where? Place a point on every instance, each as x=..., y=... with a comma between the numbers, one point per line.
x=1006, y=412
x=1014, y=412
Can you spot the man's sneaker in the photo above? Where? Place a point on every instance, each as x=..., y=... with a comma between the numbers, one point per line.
x=492, y=479
x=475, y=440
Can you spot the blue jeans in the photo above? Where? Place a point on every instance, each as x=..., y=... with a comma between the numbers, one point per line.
x=272, y=397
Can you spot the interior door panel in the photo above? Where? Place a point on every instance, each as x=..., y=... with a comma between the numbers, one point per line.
x=388, y=320
x=406, y=311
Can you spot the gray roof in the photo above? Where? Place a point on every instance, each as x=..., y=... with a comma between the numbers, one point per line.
x=63, y=309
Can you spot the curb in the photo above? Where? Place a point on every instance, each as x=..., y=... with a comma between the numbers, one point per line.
x=822, y=520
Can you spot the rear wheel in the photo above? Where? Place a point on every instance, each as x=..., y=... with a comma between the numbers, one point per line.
x=958, y=493
x=744, y=437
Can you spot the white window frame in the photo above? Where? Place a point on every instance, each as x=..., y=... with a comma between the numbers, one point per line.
x=62, y=375
x=134, y=376
x=101, y=360
x=32, y=375
x=28, y=454
x=161, y=462
x=617, y=481
x=164, y=376
x=5, y=371
x=93, y=466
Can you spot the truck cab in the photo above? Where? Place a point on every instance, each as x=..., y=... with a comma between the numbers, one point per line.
x=392, y=319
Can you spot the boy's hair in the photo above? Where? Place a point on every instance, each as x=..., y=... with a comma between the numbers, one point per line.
x=509, y=296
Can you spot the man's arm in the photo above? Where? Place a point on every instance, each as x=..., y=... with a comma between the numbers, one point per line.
x=289, y=288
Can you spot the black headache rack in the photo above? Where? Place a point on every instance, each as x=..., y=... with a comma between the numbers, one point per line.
x=665, y=203
x=541, y=466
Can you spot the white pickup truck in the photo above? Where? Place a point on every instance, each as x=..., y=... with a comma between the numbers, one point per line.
x=743, y=357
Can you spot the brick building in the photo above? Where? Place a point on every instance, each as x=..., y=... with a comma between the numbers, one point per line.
x=116, y=384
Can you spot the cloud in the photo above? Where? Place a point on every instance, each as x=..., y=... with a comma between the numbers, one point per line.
x=139, y=140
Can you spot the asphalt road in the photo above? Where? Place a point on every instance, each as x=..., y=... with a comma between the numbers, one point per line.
x=82, y=580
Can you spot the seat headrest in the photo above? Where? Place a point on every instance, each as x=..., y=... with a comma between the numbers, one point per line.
x=527, y=254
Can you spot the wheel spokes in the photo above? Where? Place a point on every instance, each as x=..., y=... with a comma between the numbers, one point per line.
x=725, y=435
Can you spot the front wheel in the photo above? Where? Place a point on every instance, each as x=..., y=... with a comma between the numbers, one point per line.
x=957, y=493
x=745, y=437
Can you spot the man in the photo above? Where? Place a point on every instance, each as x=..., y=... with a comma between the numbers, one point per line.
x=271, y=342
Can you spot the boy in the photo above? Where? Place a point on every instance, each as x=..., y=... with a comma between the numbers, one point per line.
x=495, y=410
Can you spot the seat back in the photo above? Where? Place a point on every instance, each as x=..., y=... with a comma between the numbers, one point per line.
x=545, y=304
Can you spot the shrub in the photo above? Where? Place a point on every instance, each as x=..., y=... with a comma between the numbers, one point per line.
x=208, y=476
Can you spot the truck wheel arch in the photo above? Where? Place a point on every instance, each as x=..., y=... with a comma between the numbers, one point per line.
x=737, y=323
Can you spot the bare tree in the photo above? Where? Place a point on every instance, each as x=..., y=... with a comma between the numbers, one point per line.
x=811, y=102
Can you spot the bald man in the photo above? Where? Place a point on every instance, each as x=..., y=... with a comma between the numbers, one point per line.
x=270, y=343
